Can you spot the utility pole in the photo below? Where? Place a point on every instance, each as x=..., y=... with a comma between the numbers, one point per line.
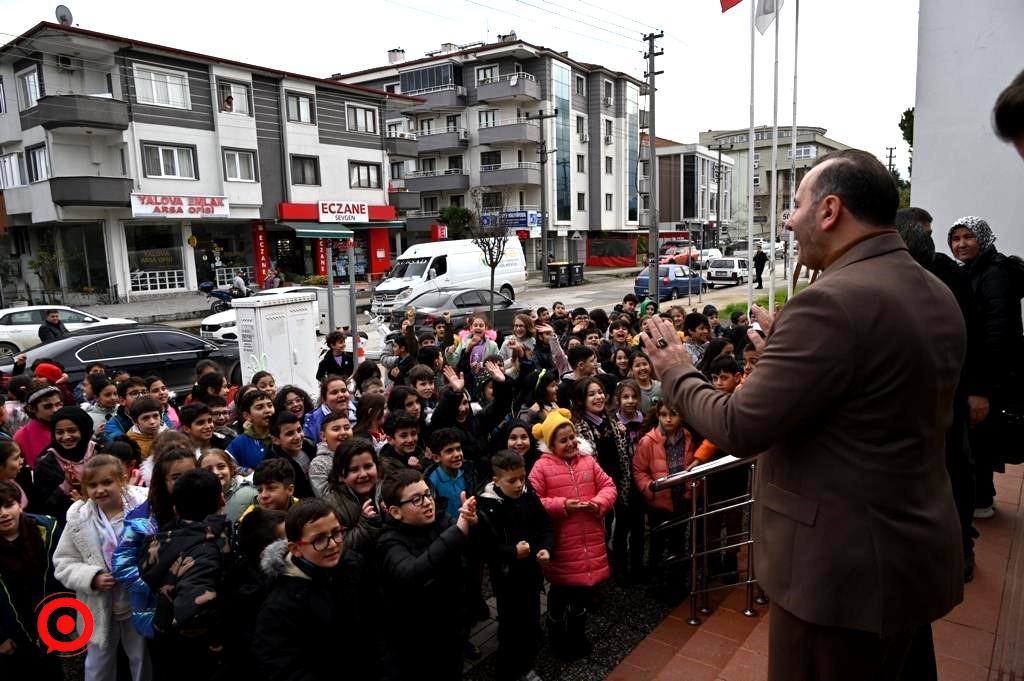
x=540, y=117
x=891, y=150
x=719, y=177
x=653, y=287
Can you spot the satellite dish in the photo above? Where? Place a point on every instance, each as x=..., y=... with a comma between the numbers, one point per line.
x=63, y=15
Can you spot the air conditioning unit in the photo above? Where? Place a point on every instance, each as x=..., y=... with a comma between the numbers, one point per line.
x=584, y=137
x=463, y=135
x=608, y=139
x=607, y=101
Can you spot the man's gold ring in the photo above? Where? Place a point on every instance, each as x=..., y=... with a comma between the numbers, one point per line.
x=661, y=343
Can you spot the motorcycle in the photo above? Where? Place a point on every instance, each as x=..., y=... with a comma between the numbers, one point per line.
x=221, y=299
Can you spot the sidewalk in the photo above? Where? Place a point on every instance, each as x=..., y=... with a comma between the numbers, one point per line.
x=981, y=639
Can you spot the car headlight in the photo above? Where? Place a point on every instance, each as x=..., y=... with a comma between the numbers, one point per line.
x=227, y=325
x=403, y=294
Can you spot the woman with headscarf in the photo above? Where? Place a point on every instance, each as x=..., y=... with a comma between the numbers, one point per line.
x=58, y=472
x=997, y=300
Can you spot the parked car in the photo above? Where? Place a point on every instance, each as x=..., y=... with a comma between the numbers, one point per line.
x=222, y=326
x=706, y=256
x=140, y=349
x=447, y=265
x=674, y=281
x=461, y=303
x=727, y=271
x=679, y=255
x=19, y=326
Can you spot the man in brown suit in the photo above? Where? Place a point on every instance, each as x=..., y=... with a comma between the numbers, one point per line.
x=857, y=538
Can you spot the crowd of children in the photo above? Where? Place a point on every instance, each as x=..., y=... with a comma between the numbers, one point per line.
x=256, y=532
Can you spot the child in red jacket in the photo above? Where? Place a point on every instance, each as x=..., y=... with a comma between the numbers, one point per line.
x=577, y=494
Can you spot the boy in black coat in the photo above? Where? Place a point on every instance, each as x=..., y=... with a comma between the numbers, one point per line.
x=318, y=607
x=423, y=578
x=517, y=536
x=184, y=565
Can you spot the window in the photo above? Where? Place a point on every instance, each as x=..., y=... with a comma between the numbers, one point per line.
x=608, y=165
x=490, y=158
x=803, y=151
x=170, y=341
x=305, y=170
x=581, y=125
x=38, y=164
x=607, y=127
x=429, y=204
x=364, y=175
x=488, y=118
x=391, y=87
x=233, y=98
x=239, y=165
x=459, y=201
x=398, y=170
x=439, y=265
x=130, y=345
x=428, y=164
x=426, y=126
x=580, y=167
x=161, y=88
x=486, y=74
x=28, y=89
x=164, y=160
x=362, y=119
x=608, y=202
x=607, y=89
x=10, y=170
x=455, y=162
x=491, y=200
x=757, y=204
x=394, y=129
x=581, y=86
x=453, y=122
x=3, y=98
x=581, y=201
x=757, y=180
x=300, y=108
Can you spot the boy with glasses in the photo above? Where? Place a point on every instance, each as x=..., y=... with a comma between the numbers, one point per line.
x=221, y=413
x=318, y=603
x=127, y=392
x=423, y=576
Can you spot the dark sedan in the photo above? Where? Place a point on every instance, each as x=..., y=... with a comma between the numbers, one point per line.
x=461, y=303
x=140, y=349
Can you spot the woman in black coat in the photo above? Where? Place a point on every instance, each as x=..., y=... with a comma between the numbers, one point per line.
x=997, y=301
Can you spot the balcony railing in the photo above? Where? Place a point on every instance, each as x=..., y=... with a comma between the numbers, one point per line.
x=423, y=214
x=437, y=88
x=400, y=135
x=510, y=166
x=157, y=280
x=510, y=121
x=497, y=79
x=462, y=132
x=437, y=173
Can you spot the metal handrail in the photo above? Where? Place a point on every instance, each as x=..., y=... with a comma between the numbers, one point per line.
x=529, y=165
x=437, y=88
x=522, y=120
x=400, y=134
x=507, y=76
x=436, y=173
x=444, y=131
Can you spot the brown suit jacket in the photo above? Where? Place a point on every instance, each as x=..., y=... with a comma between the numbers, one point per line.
x=855, y=524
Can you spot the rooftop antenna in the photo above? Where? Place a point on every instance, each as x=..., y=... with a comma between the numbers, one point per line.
x=63, y=15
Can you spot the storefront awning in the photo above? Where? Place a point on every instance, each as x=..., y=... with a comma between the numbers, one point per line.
x=327, y=230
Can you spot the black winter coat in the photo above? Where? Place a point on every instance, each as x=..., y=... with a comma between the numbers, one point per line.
x=317, y=623
x=999, y=315
x=481, y=428
x=303, y=488
x=504, y=522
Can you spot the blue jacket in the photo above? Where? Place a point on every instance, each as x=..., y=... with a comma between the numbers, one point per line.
x=120, y=424
x=247, y=450
x=138, y=527
x=314, y=419
x=12, y=624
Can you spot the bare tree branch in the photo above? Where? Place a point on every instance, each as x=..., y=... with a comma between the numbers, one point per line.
x=490, y=231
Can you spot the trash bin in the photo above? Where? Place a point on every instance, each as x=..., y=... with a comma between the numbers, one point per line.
x=576, y=274
x=558, y=274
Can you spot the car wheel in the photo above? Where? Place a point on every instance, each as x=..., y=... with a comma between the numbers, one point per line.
x=8, y=349
x=673, y=294
x=507, y=291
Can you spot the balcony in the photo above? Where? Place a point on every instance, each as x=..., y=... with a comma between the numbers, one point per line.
x=399, y=144
x=449, y=97
x=515, y=131
x=420, y=220
x=510, y=174
x=451, y=180
x=512, y=87
x=77, y=111
x=91, y=191
x=445, y=139
x=404, y=200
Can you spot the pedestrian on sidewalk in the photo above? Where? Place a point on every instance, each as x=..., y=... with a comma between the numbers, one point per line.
x=760, y=260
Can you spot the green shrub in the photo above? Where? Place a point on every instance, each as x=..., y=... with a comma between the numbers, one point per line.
x=780, y=298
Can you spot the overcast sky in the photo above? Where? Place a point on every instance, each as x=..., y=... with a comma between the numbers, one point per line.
x=857, y=59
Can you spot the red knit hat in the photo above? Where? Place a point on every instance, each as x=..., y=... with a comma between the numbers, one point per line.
x=50, y=372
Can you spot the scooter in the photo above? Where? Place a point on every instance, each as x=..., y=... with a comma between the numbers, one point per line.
x=221, y=299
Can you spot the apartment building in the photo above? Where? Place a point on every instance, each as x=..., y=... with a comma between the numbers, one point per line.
x=691, y=181
x=129, y=168
x=811, y=143
x=476, y=141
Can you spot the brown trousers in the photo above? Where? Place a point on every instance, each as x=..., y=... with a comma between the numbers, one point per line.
x=801, y=651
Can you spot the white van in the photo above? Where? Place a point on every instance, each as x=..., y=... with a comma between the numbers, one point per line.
x=448, y=264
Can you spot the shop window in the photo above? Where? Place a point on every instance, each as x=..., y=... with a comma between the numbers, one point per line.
x=300, y=108
x=164, y=160
x=364, y=175
x=233, y=98
x=85, y=257
x=154, y=256
x=239, y=165
x=305, y=170
x=161, y=87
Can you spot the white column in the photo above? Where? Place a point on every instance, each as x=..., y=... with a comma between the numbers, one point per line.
x=188, y=257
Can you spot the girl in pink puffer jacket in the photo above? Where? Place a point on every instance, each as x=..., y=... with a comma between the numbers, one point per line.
x=576, y=494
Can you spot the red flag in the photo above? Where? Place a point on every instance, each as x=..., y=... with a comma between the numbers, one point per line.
x=729, y=4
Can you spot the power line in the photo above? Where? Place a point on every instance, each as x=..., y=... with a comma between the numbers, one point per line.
x=579, y=21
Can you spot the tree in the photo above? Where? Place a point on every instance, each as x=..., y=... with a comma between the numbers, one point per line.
x=489, y=231
x=457, y=219
x=907, y=127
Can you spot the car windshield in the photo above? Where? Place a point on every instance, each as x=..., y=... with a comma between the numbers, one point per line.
x=726, y=264
x=407, y=268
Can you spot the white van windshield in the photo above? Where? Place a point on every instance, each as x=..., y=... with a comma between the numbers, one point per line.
x=409, y=268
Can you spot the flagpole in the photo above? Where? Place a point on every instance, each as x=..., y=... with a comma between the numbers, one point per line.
x=750, y=169
x=775, y=173
x=792, y=165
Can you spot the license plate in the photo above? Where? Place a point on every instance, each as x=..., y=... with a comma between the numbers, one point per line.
x=206, y=334
x=721, y=274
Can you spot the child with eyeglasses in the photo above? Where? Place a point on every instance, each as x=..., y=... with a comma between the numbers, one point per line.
x=319, y=601
x=422, y=554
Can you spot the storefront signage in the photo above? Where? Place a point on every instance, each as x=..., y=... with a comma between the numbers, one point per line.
x=321, y=256
x=175, y=206
x=514, y=218
x=261, y=251
x=343, y=211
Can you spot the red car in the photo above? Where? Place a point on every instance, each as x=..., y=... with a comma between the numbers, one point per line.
x=679, y=255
